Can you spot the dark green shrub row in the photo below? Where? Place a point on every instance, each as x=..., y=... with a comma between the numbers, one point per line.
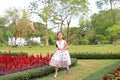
x=13, y=53
x=95, y=56
x=98, y=75
x=33, y=73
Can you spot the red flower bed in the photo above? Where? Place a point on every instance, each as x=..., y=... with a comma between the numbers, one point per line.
x=115, y=75
x=10, y=64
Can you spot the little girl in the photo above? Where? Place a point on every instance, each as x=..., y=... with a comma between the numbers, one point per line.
x=61, y=57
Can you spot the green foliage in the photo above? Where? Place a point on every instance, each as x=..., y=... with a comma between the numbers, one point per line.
x=33, y=73
x=13, y=53
x=23, y=25
x=12, y=14
x=75, y=42
x=77, y=33
x=2, y=45
x=106, y=42
x=52, y=41
x=114, y=31
x=2, y=22
x=4, y=34
x=100, y=23
x=103, y=20
x=84, y=41
x=98, y=75
x=101, y=3
x=99, y=38
x=87, y=55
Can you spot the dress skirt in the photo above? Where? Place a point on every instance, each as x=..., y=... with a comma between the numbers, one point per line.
x=60, y=59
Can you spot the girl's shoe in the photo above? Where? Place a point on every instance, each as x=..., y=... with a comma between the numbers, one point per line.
x=55, y=75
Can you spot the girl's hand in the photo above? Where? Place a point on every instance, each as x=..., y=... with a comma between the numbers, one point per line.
x=60, y=48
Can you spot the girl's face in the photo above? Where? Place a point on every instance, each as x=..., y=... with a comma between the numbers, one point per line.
x=60, y=36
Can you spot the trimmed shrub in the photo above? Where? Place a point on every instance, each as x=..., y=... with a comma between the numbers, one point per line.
x=75, y=42
x=13, y=53
x=84, y=41
x=95, y=56
x=98, y=75
x=106, y=41
x=33, y=73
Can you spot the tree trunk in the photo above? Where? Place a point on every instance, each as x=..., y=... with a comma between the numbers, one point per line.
x=62, y=21
x=46, y=34
x=113, y=14
x=61, y=25
x=99, y=43
x=68, y=25
x=114, y=42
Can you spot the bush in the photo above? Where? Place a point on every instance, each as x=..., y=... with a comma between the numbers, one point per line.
x=95, y=56
x=106, y=41
x=13, y=53
x=75, y=42
x=2, y=45
x=85, y=41
x=33, y=73
x=98, y=75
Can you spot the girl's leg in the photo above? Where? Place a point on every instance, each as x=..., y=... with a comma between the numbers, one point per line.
x=67, y=69
x=56, y=71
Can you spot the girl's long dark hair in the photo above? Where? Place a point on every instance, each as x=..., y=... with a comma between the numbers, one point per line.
x=56, y=46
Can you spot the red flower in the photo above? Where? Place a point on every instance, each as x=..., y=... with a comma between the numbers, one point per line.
x=9, y=63
x=105, y=78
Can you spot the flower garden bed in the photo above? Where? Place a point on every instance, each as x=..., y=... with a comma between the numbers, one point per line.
x=101, y=74
x=24, y=67
x=115, y=75
x=10, y=64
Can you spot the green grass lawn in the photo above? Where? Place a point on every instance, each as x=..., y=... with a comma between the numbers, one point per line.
x=73, y=48
x=81, y=70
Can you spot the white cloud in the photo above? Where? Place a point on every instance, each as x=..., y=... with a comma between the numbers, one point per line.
x=93, y=6
x=20, y=4
x=6, y=4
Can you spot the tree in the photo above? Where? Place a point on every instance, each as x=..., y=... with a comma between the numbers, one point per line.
x=67, y=10
x=2, y=21
x=114, y=32
x=59, y=12
x=101, y=21
x=44, y=12
x=22, y=25
x=12, y=15
x=2, y=30
x=113, y=5
x=99, y=39
x=76, y=34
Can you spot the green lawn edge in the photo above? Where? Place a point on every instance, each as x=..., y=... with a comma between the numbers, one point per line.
x=98, y=75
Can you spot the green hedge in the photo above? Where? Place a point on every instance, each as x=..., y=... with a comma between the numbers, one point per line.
x=13, y=53
x=98, y=75
x=95, y=56
x=33, y=73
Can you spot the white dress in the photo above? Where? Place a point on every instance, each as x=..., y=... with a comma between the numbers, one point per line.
x=61, y=58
